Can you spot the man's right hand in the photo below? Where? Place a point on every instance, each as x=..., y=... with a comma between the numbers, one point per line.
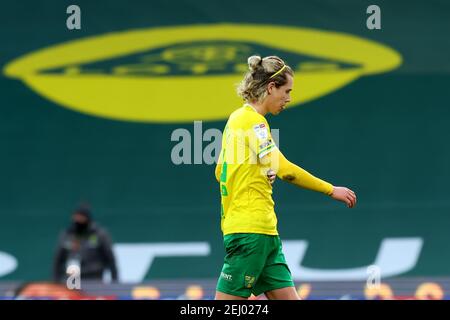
x=345, y=195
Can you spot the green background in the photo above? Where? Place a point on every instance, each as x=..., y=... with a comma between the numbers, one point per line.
x=385, y=136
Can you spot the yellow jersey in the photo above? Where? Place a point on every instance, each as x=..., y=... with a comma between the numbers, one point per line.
x=246, y=193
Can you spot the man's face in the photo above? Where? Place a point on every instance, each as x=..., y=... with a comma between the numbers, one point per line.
x=79, y=218
x=81, y=223
x=279, y=97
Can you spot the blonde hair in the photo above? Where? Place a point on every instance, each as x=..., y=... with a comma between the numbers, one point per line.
x=261, y=72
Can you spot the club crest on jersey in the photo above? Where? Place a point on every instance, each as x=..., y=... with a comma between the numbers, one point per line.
x=261, y=131
x=249, y=281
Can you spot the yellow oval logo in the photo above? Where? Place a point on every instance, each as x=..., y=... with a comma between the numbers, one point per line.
x=186, y=73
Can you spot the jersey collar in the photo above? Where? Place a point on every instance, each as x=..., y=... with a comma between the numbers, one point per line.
x=249, y=105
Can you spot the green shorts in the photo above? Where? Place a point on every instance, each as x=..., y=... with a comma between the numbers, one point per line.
x=254, y=263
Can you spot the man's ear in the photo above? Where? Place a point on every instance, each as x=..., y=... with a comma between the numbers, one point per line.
x=270, y=87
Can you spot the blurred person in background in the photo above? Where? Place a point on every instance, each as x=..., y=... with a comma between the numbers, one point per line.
x=87, y=246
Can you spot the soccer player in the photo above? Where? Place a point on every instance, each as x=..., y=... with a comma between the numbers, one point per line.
x=248, y=164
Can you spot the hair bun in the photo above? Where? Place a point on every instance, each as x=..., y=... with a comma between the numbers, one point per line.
x=253, y=62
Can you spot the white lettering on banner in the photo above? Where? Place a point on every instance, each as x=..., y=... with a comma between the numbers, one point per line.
x=395, y=256
x=7, y=263
x=135, y=260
